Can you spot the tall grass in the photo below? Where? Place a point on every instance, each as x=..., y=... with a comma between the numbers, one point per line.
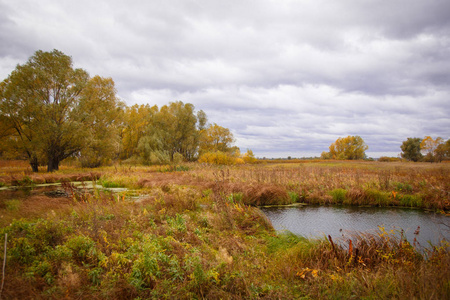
x=363, y=183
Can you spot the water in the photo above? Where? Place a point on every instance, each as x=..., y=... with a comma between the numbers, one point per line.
x=342, y=222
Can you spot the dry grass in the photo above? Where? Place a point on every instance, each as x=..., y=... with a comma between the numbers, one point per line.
x=422, y=185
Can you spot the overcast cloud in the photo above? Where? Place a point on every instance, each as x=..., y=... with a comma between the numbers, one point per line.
x=286, y=77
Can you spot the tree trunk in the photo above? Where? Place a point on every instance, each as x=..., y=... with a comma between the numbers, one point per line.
x=34, y=164
x=53, y=164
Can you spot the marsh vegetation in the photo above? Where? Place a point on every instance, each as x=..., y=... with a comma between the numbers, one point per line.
x=196, y=232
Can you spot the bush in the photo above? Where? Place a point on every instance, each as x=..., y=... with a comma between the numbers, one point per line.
x=82, y=247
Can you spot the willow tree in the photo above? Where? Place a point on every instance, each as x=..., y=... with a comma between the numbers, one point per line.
x=411, y=149
x=55, y=110
x=101, y=115
x=136, y=122
x=173, y=130
x=38, y=100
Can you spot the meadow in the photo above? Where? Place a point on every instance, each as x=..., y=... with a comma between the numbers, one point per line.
x=193, y=231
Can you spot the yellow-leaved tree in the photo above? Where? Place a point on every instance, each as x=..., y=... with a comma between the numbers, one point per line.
x=39, y=100
x=430, y=148
x=350, y=147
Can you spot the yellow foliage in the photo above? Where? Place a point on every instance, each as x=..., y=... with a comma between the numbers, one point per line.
x=249, y=157
x=219, y=158
x=305, y=272
x=350, y=147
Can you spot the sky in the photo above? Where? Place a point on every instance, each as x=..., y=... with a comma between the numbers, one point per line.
x=287, y=77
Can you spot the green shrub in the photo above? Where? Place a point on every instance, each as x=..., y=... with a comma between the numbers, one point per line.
x=150, y=262
x=29, y=240
x=178, y=223
x=82, y=247
x=95, y=275
x=22, y=250
x=60, y=253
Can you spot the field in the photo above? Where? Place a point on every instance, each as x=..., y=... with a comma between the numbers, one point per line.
x=193, y=231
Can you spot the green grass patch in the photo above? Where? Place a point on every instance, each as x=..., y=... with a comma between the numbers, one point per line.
x=294, y=197
x=338, y=195
x=411, y=200
x=283, y=240
x=377, y=197
x=403, y=187
x=110, y=184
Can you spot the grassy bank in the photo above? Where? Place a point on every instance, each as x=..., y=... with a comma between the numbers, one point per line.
x=188, y=243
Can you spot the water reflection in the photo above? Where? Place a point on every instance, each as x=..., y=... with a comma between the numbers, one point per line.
x=342, y=222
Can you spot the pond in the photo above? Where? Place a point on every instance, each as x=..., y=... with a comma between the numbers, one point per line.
x=341, y=222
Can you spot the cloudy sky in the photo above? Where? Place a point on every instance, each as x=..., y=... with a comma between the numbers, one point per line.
x=286, y=77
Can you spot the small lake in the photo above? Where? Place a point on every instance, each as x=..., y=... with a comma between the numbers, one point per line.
x=342, y=222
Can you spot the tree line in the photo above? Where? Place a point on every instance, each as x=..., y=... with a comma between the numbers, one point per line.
x=426, y=149
x=413, y=149
x=50, y=111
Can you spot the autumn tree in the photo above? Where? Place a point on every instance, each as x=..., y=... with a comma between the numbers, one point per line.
x=350, y=147
x=429, y=147
x=249, y=157
x=6, y=131
x=136, y=122
x=216, y=138
x=38, y=100
x=174, y=129
x=442, y=151
x=101, y=114
x=56, y=111
x=411, y=149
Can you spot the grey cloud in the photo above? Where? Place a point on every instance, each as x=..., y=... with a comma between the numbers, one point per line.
x=287, y=77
